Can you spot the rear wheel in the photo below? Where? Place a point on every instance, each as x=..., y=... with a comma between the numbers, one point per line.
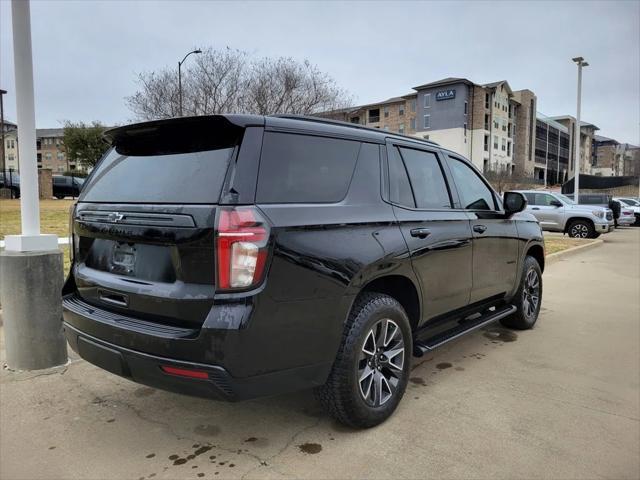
x=528, y=299
x=581, y=229
x=370, y=373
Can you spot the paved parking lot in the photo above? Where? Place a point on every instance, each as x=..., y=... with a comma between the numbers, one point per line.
x=560, y=401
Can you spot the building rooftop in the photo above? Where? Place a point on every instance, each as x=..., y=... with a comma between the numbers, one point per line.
x=600, y=138
x=49, y=132
x=444, y=81
x=569, y=117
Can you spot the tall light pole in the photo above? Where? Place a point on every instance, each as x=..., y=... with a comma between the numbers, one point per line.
x=180, y=78
x=576, y=178
x=2, y=162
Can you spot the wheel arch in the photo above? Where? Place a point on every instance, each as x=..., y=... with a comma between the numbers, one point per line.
x=536, y=251
x=403, y=289
x=573, y=219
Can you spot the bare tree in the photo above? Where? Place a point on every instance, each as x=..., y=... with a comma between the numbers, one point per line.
x=224, y=81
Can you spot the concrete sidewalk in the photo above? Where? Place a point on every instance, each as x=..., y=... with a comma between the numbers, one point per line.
x=559, y=401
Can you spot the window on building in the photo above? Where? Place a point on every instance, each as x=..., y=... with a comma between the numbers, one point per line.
x=374, y=115
x=386, y=127
x=465, y=129
x=495, y=142
x=504, y=145
x=386, y=112
x=413, y=105
x=47, y=156
x=60, y=156
x=486, y=100
x=474, y=193
x=427, y=100
x=486, y=143
x=486, y=121
x=427, y=121
x=466, y=106
x=401, y=110
x=39, y=157
x=412, y=124
x=509, y=149
x=11, y=157
x=354, y=119
x=401, y=129
x=504, y=125
x=495, y=124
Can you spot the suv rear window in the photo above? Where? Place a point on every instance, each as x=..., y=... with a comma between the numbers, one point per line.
x=305, y=169
x=194, y=177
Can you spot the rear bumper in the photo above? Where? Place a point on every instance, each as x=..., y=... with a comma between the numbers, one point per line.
x=137, y=349
x=219, y=385
x=626, y=220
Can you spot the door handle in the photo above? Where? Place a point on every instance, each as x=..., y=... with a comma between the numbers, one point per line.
x=535, y=208
x=420, y=232
x=479, y=228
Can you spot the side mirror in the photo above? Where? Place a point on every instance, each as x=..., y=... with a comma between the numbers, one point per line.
x=555, y=203
x=514, y=202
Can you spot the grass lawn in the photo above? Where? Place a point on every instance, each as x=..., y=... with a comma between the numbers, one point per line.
x=54, y=217
x=557, y=244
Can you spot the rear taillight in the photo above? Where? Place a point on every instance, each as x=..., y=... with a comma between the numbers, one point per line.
x=242, y=237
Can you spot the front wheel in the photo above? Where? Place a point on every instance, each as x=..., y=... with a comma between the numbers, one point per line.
x=370, y=373
x=581, y=229
x=528, y=299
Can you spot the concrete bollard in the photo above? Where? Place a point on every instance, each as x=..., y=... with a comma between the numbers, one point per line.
x=31, y=297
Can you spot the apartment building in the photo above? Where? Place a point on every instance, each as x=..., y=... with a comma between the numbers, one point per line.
x=587, y=133
x=10, y=147
x=50, y=150
x=552, y=146
x=612, y=158
x=490, y=124
x=396, y=114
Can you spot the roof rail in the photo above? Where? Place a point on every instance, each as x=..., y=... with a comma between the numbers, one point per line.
x=340, y=123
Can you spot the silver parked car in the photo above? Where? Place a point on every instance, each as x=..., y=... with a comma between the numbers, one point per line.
x=631, y=204
x=557, y=213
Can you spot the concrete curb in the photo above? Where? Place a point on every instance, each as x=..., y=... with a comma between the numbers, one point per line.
x=556, y=257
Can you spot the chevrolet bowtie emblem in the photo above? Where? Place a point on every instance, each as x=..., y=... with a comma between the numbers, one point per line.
x=115, y=217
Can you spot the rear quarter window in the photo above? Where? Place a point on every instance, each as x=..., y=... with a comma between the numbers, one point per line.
x=305, y=169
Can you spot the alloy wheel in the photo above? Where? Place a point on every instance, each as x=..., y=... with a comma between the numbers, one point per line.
x=531, y=293
x=579, y=231
x=381, y=362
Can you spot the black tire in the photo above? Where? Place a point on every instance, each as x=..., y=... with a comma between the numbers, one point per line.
x=528, y=307
x=59, y=197
x=581, y=229
x=343, y=395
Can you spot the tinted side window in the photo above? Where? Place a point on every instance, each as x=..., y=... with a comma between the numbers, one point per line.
x=530, y=198
x=305, y=169
x=427, y=180
x=399, y=186
x=474, y=193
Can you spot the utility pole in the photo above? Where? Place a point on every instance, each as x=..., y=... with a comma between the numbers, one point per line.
x=576, y=177
x=180, y=79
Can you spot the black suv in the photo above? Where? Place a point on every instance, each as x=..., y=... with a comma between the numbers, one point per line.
x=64, y=186
x=235, y=256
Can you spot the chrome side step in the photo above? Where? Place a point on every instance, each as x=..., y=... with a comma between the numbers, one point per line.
x=421, y=347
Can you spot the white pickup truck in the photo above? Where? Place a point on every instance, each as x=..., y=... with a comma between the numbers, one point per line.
x=557, y=213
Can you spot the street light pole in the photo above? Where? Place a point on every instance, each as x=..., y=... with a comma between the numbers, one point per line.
x=576, y=177
x=2, y=163
x=180, y=79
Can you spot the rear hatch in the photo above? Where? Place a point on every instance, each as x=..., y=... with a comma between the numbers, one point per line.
x=143, y=228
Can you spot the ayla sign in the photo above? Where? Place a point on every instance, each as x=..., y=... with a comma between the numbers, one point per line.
x=446, y=94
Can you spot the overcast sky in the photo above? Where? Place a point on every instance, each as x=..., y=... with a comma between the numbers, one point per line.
x=87, y=54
